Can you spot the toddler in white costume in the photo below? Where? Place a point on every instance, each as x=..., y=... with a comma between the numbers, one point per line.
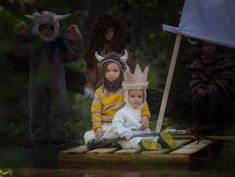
x=127, y=121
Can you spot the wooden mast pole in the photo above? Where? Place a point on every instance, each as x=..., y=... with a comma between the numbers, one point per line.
x=168, y=83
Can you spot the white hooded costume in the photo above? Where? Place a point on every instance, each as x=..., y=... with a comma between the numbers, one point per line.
x=127, y=121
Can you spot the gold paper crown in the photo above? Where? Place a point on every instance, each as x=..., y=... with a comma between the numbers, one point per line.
x=137, y=80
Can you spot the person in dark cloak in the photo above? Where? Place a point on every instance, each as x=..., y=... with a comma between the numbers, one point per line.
x=211, y=81
x=47, y=54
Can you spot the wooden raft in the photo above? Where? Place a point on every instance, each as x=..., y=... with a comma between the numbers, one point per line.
x=184, y=152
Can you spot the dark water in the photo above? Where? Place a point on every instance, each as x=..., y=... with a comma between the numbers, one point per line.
x=41, y=163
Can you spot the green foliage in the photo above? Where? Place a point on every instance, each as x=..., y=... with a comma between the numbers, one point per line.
x=80, y=117
x=9, y=173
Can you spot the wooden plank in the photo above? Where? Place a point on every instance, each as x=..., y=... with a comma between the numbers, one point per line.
x=122, y=158
x=102, y=151
x=78, y=150
x=193, y=147
x=83, y=148
x=161, y=151
x=130, y=156
x=110, y=156
x=127, y=151
x=181, y=142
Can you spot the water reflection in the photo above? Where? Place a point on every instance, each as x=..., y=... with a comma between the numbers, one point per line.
x=117, y=173
x=42, y=158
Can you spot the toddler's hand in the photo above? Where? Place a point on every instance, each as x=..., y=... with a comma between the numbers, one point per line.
x=21, y=29
x=144, y=123
x=98, y=133
x=89, y=93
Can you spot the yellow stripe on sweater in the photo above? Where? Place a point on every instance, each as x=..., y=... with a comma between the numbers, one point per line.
x=96, y=117
x=112, y=99
x=96, y=107
x=145, y=111
x=110, y=112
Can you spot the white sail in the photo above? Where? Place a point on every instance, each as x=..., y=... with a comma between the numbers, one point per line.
x=208, y=20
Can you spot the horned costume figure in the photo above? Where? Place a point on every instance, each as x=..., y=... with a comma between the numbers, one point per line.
x=47, y=55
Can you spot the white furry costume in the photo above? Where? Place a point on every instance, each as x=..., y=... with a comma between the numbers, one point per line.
x=127, y=121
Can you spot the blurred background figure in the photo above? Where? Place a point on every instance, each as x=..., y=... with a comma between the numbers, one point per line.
x=107, y=36
x=47, y=54
x=211, y=81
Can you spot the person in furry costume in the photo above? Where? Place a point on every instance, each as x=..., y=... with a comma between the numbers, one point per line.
x=107, y=36
x=47, y=54
x=211, y=80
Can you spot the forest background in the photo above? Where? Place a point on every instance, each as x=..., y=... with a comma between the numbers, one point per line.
x=151, y=45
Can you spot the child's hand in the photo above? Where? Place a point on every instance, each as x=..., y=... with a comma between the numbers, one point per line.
x=98, y=133
x=144, y=123
x=73, y=32
x=89, y=92
x=201, y=92
x=22, y=28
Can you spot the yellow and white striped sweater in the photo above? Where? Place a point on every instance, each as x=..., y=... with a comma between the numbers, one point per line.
x=106, y=104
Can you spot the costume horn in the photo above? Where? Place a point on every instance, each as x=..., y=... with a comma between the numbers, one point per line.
x=124, y=57
x=33, y=17
x=98, y=57
x=61, y=17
